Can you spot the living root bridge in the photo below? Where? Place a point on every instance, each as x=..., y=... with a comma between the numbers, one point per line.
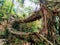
x=28, y=34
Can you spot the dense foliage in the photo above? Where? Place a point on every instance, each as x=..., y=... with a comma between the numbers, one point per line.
x=11, y=10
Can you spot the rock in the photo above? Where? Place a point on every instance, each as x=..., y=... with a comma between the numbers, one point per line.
x=2, y=41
